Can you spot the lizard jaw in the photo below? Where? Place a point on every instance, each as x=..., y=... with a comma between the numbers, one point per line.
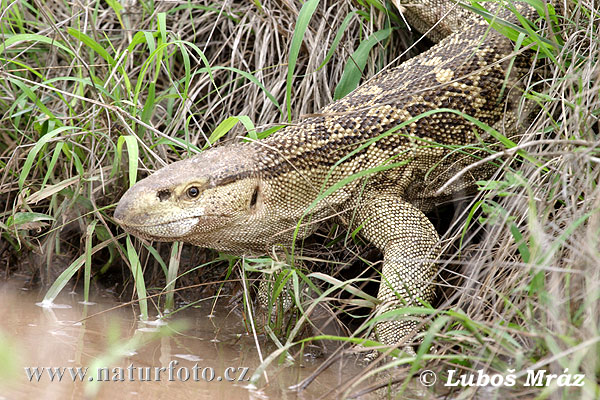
x=164, y=231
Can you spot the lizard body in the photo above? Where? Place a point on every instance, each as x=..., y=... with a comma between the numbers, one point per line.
x=370, y=159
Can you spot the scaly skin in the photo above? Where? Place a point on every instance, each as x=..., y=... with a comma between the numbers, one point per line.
x=246, y=198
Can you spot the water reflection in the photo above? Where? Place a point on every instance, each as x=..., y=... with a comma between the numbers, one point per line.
x=197, y=355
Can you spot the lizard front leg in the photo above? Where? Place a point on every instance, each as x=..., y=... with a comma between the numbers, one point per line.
x=409, y=244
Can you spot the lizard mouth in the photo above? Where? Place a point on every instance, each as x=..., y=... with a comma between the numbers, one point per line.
x=166, y=230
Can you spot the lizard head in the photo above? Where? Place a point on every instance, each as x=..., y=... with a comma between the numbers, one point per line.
x=214, y=199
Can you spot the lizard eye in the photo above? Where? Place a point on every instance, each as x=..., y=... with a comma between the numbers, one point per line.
x=193, y=192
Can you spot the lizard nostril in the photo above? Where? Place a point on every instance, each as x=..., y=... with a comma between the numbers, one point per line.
x=163, y=194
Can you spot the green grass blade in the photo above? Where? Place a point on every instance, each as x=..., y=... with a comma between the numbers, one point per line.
x=138, y=277
x=91, y=43
x=117, y=8
x=357, y=62
x=304, y=17
x=87, y=272
x=157, y=257
x=63, y=279
x=22, y=218
x=162, y=26
x=132, y=153
x=27, y=91
x=31, y=37
x=55, y=154
x=36, y=149
x=228, y=124
x=174, y=262
x=337, y=38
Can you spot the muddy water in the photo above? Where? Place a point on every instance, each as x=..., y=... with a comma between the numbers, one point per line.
x=209, y=350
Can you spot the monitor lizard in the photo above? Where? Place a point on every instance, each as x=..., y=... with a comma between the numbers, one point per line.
x=375, y=159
